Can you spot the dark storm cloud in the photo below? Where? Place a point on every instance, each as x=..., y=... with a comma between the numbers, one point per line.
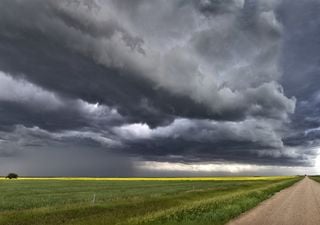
x=61, y=160
x=216, y=7
x=28, y=50
x=301, y=23
x=69, y=58
x=300, y=65
x=175, y=81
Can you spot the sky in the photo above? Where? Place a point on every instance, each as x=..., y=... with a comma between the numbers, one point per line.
x=159, y=87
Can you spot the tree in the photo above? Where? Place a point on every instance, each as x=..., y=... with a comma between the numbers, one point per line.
x=12, y=176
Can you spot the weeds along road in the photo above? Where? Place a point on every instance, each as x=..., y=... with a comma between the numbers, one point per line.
x=296, y=205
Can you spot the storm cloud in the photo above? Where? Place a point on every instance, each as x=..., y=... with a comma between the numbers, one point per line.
x=151, y=82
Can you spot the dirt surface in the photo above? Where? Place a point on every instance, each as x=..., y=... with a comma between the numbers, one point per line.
x=296, y=205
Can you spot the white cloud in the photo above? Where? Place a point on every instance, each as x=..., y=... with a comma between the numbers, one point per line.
x=199, y=167
x=251, y=130
x=221, y=168
x=134, y=131
x=22, y=91
x=312, y=130
x=95, y=111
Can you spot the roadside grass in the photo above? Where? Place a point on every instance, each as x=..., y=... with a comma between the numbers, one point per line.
x=180, y=201
x=315, y=178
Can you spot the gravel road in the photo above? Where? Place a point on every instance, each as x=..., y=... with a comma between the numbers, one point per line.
x=296, y=205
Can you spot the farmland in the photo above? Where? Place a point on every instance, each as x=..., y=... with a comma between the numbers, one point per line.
x=132, y=201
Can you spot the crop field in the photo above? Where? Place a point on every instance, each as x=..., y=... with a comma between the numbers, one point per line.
x=150, y=201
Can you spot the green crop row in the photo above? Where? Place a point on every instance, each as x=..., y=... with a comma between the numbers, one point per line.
x=148, y=202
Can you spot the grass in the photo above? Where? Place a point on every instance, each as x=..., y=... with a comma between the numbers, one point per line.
x=315, y=178
x=129, y=201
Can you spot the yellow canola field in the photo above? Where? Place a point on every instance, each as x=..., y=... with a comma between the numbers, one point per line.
x=157, y=178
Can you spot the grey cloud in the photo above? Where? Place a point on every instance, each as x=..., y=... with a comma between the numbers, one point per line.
x=214, y=95
x=258, y=132
x=300, y=64
x=204, y=140
x=217, y=7
x=21, y=91
x=22, y=139
x=35, y=106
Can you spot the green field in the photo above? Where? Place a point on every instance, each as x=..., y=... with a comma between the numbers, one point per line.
x=133, y=201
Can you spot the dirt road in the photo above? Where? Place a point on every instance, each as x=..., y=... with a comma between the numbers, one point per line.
x=296, y=205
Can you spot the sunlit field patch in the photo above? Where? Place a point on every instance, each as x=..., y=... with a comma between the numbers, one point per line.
x=73, y=200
